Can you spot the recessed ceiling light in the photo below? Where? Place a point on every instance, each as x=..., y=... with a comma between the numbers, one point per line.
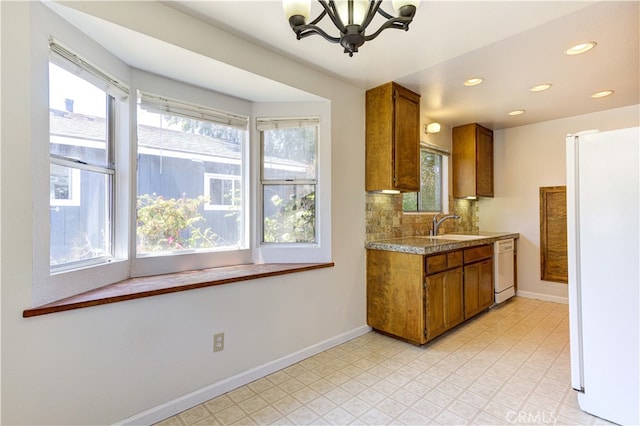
x=540, y=87
x=602, y=94
x=473, y=81
x=581, y=48
x=517, y=112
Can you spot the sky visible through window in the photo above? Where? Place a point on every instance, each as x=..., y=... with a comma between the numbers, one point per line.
x=83, y=94
x=68, y=86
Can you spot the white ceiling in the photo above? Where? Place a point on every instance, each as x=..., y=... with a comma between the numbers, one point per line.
x=513, y=45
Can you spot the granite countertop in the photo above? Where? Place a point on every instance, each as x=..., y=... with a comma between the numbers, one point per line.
x=431, y=245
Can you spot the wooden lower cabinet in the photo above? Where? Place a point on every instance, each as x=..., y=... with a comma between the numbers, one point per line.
x=417, y=297
x=395, y=294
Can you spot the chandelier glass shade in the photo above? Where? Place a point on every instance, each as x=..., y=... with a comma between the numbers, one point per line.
x=350, y=17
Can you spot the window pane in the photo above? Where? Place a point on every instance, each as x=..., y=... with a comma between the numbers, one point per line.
x=77, y=118
x=410, y=202
x=289, y=214
x=64, y=186
x=221, y=191
x=289, y=153
x=430, y=181
x=80, y=198
x=189, y=192
x=429, y=199
x=79, y=215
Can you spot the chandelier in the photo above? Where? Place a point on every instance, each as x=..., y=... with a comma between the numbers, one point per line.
x=351, y=18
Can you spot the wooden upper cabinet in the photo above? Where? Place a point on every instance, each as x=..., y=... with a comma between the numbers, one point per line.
x=392, y=139
x=472, y=161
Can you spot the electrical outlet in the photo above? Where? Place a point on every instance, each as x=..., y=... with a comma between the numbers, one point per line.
x=218, y=342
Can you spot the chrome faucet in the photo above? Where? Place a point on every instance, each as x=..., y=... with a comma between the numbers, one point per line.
x=437, y=222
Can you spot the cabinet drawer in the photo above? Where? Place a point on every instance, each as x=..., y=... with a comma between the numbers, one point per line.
x=442, y=262
x=478, y=253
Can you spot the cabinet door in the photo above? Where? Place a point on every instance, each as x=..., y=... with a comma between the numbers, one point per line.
x=484, y=162
x=453, y=298
x=444, y=303
x=406, y=150
x=472, y=155
x=485, y=284
x=392, y=154
x=435, y=307
x=471, y=290
x=464, y=161
x=478, y=287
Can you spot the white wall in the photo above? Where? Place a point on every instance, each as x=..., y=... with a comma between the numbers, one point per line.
x=103, y=364
x=527, y=158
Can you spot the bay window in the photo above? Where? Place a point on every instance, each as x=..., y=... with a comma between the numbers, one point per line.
x=162, y=182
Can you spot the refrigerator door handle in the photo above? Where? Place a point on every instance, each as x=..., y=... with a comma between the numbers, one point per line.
x=573, y=239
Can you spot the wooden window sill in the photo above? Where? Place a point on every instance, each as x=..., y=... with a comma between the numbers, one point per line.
x=136, y=288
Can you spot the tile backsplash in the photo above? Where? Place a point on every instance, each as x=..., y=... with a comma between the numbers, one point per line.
x=384, y=218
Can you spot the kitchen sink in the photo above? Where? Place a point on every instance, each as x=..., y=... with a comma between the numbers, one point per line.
x=461, y=237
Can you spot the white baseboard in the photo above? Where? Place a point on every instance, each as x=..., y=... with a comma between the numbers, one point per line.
x=185, y=402
x=541, y=296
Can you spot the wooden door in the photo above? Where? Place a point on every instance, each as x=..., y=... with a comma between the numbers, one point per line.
x=553, y=234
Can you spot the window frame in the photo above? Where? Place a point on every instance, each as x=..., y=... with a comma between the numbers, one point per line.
x=71, y=62
x=166, y=96
x=207, y=190
x=286, y=252
x=75, y=186
x=48, y=286
x=266, y=124
x=444, y=174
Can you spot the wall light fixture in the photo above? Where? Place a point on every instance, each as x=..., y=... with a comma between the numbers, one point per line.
x=432, y=128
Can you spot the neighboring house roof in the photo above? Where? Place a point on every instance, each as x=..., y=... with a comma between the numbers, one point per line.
x=93, y=129
x=69, y=124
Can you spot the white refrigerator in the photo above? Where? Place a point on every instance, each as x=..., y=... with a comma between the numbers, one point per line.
x=603, y=230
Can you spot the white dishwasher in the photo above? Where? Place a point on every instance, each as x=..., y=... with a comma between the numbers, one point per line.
x=503, y=269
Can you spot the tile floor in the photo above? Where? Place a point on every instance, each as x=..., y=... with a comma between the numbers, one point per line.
x=509, y=365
